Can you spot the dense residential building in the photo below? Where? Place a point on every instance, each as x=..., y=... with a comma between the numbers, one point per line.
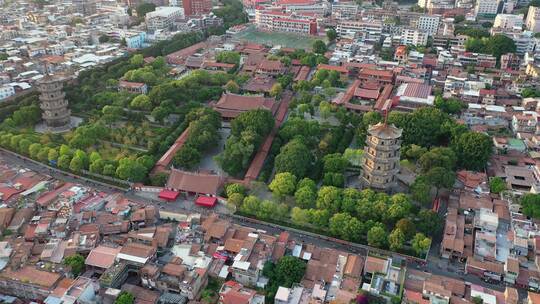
x=486, y=8
x=414, y=37
x=84, y=7
x=6, y=91
x=344, y=10
x=366, y=30
x=162, y=17
x=532, y=22
x=429, y=24
x=508, y=21
x=285, y=22
x=196, y=7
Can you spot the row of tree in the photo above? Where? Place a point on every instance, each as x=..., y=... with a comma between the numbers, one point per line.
x=248, y=131
x=360, y=216
x=130, y=168
x=203, y=133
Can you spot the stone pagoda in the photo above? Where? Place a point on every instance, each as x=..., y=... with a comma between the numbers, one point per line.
x=53, y=103
x=381, y=157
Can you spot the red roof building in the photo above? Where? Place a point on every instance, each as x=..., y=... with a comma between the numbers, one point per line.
x=206, y=201
x=382, y=77
x=231, y=105
x=194, y=183
x=168, y=195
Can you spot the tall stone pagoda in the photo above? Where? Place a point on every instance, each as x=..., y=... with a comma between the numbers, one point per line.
x=53, y=103
x=381, y=157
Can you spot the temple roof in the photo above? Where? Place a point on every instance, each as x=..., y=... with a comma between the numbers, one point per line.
x=385, y=131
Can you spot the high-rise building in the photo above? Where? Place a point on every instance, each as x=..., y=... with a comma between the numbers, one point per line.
x=533, y=19
x=381, y=157
x=197, y=7
x=486, y=8
x=53, y=102
x=428, y=23
x=84, y=7
x=416, y=37
x=163, y=17
x=508, y=21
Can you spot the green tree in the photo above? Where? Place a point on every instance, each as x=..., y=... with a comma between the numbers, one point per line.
x=307, y=182
x=346, y=227
x=396, y=239
x=530, y=204
x=300, y=216
x=187, y=157
x=76, y=263
x=338, y=222
x=422, y=127
x=329, y=198
x=64, y=161
x=497, y=185
x=295, y=157
x=232, y=86
x=459, y=19
x=305, y=197
x=76, y=164
x=266, y=210
x=109, y=170
x=34, y=149
x=52, y=155
x=236, y=199
x=335, y=163
x=283, y=184
x=377, y=236
x=103, y=39
x=141, y=102
x=144, y=9
x=129, y=169
x=235, y=188
x=43, y=154
x=421, y=243
x=331, y=34
x=441, y=177
x=228, y=57
x=428, y=222
x=159, y=179
x=251, y=205
x=450, y=105
x=276, y=90
x=125, y=298
x=325, y=109
x=137, y=60
x=438, y=157
x=420, y=191
x=289, y=270
x=97, y=166
x=407, y=227
x=477, y=300
x=319, y=47
x=473, y=150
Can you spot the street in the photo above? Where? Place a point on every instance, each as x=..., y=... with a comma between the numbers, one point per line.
x=435, y=265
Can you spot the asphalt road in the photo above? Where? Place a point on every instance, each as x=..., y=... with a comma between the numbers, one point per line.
x=434, y=265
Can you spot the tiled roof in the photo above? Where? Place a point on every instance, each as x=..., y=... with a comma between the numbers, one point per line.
x=102, y=256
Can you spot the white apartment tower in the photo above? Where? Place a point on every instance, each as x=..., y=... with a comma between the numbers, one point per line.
x=486, y=7
x=429, y=24
x=508, y=21
x=533, y=19
x=414, y=37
